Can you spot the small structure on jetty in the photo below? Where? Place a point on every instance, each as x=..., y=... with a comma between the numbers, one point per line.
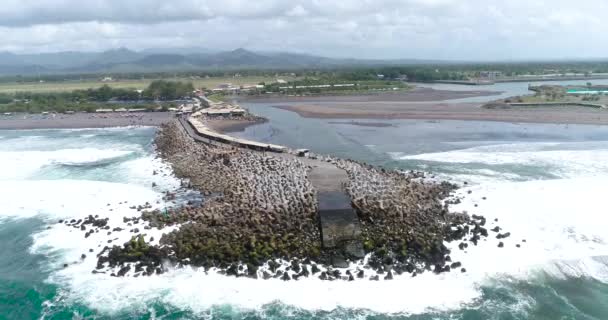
x=212, y=108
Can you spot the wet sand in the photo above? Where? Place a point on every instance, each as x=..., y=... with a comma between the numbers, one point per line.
x=232, y=125
x=83, y=120
x=364, y=123
x=418, y=94
x=428, y=104
x=449, y=111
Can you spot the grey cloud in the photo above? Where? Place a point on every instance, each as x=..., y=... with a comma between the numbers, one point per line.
x=34, y=12
x=447, y=29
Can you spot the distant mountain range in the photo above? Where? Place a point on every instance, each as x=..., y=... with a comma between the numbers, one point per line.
x=158, y=60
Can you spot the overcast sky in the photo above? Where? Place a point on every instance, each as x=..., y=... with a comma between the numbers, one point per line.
x=427, y=29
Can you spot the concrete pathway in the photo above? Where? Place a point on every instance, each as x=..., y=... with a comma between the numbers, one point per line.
x=340, y=227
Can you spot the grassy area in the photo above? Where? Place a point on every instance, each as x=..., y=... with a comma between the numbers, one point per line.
x=131, y=84
x=217, y=97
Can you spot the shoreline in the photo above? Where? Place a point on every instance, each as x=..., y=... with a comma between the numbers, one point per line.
x=456, y=111
x=418, y=94
x=233, y=125
x=83, y=120
x=364, y=123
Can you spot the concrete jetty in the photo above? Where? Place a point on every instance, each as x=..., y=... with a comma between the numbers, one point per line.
x=202, y=130
x=288, y=216
x=339, y=225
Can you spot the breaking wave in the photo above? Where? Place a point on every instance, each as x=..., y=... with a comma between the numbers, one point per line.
x=561, y=221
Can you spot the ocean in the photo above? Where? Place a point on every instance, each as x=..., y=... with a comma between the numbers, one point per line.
x=544, y=183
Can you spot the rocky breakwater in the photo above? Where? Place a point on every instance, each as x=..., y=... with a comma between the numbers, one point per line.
x=260, y=218
x=258, y=208
x=406, y=222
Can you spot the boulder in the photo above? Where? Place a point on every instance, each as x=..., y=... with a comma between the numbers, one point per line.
x=389, y=276
x=361, y=274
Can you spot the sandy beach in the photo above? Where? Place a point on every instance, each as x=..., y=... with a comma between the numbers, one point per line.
x=232, y=125
x=427, y=104
x=82, y=120
x=450, y=111
x=418, y=94
x=364, y=123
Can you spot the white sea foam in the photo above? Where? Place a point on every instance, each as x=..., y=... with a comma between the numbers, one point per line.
x=555, y=243
x=577, y=159
x=141, y=171
x=561, y=220
x=193, y=289
x=566, y=160
x=68, y=198
x=21, y=164
x=86, y=156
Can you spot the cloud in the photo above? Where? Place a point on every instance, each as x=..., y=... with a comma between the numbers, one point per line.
x=33, y=12
x=440, y=29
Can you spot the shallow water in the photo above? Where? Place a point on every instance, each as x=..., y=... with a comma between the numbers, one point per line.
x=506, y=89
x=544, y=183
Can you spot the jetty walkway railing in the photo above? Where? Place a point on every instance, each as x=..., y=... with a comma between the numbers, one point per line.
x=204, y=131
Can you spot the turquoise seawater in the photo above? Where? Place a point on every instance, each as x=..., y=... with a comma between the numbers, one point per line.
x=48, y=175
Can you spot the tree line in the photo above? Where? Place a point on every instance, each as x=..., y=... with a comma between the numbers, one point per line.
x=91, y=99
x=416, y=72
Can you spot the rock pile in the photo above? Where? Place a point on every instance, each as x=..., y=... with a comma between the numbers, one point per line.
x=259, y=207
x=260, y=218
x=405, y=219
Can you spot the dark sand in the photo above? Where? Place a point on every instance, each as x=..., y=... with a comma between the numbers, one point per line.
x=232, y=125
x=364, y=123
x=83, y=120
x=428, y=104
x=418, y=94
x=450, y=111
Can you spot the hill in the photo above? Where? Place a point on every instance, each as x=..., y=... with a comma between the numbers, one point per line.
x=158, y=60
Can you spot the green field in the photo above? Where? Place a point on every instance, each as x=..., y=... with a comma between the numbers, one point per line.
x=134, y=84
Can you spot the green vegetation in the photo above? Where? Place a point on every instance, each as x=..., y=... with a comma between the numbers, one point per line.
x=168, y=90
x=369, y=76
x=217, y=97
x=60, y=84
x=91, y=99
x=4, y=99
x=559, y=94
x=87, y=92
x=212, y=78
x=331, y=84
